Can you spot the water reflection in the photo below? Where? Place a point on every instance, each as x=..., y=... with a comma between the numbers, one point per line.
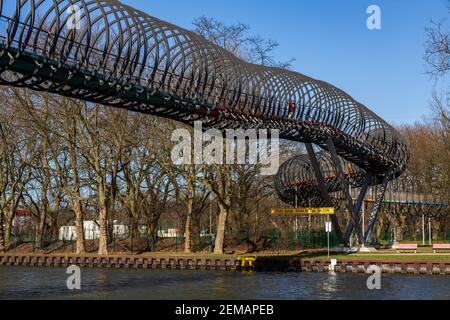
x=329, y=285
x=36, y=283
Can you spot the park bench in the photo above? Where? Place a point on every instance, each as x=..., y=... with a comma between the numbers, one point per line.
x=441, y=247
x=406, y=247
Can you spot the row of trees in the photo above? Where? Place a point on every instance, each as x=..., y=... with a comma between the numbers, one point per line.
x=429, y=140
x=64, y=160
x=428, y=173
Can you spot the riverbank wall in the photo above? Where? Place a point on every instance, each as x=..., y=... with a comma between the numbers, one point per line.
x=267, y=264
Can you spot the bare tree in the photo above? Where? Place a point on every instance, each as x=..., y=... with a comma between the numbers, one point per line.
x=238, y=40
x=17, y=156
x=437, y=55
x=217, y=179
x=185, y=184
x=68, y=168
x=95, y=152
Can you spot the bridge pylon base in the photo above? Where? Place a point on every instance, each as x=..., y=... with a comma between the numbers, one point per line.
x=366, y=249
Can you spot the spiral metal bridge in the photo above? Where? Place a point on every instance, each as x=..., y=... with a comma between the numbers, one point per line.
x=298, y=186
x=105, y=52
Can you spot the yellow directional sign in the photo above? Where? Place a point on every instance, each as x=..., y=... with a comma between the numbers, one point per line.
x=303, y=211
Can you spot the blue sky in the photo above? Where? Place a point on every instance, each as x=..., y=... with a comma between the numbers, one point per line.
x=383, y=69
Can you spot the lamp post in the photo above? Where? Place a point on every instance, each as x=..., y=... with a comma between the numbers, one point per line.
x=364, y=217
x=423, y=229
x=328, y=230
x=429, y=231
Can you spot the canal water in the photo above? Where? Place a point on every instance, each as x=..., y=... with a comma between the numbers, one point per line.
x=36, y=283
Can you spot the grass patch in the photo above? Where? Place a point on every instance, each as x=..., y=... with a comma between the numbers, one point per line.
x=401, y=257
x=423, y=255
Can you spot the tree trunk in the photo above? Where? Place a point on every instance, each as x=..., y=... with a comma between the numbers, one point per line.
x=8, y=228
x=110, y=231
x=103, y=236
x=152, y=234
x=79, y=228
x=188, y=236
x=221, y=225
x=399, y=231
x=399, y=224
x=103, y=218
x=414, y=230
x=2, y=233
x=378, y=230
x=76, y=203
x=41, y=228
x=44, y=198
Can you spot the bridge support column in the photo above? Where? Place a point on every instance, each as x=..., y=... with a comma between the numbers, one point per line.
x=353, y=208
x=357, y=207
x=376, y=210
x=323, y=189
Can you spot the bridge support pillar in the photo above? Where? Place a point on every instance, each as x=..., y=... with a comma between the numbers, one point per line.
x=324, y=191
x=357, y=207
x=353, y=208
x=375, y=210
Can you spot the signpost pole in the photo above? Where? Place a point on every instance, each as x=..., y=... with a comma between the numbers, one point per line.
x=423, y=229
x=296, y=207
x=364, y=217
x=429, y=232
x=328, y=234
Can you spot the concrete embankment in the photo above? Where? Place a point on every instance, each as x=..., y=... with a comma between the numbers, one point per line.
x=280, y=264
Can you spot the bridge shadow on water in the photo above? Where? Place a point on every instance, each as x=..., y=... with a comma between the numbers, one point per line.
x=296, y=261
